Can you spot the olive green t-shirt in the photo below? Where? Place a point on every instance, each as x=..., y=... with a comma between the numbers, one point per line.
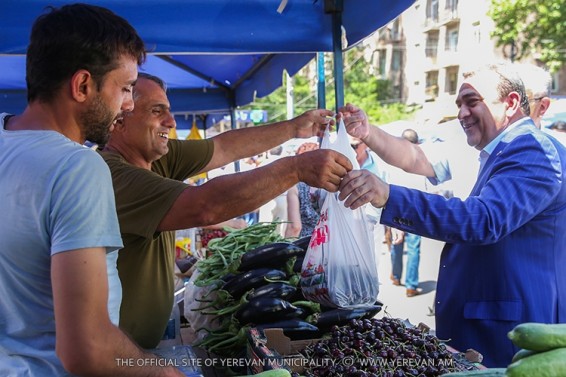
x=146, y=263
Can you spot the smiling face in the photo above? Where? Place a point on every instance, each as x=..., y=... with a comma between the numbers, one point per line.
x=147, y=127
x=482, y=113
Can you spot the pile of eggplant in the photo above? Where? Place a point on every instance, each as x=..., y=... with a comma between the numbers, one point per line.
x=256, y=284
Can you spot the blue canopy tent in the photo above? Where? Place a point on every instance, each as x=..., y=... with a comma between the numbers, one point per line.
x=213, y=54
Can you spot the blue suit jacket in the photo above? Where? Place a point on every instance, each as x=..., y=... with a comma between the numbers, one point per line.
x=504, y=261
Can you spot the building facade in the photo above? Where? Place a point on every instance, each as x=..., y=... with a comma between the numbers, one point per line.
x=424, y=51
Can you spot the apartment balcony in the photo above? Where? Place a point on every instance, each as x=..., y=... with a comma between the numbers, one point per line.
x=431, y=23
x=390, y=37
x=449, y=16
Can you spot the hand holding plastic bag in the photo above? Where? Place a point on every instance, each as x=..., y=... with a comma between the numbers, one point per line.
x=340, y=268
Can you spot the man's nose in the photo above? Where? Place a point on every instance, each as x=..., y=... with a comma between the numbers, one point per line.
x=463, y=112
x=170, y=121
x=128, y=104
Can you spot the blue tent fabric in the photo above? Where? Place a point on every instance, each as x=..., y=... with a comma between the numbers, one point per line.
x=213, y=54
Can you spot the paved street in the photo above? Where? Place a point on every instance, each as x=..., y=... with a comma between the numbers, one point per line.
x=419, y=308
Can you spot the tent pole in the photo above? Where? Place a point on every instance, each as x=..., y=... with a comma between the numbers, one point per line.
x=233, y=126
x=338, y=6
x=321, y=85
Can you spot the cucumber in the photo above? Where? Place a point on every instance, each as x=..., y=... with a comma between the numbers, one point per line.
x=545, y=364
x=491, y=372
x=521, y=354
x=539, y=336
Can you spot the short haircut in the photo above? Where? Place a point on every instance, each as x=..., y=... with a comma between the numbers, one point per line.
x=509, y=81
x=558, y=125
x=155, y=79
x=410, y=135
x=74, y=37
x=276, y=151
x=537, y=80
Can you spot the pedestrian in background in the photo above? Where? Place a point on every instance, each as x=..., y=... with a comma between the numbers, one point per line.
x=302, y=211
x=401, y=240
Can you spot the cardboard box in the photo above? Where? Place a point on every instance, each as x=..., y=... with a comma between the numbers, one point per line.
x=270, y=349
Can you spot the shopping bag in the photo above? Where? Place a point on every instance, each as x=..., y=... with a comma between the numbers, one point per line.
x=340, y=269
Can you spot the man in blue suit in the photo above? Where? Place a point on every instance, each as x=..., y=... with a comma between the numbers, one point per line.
x=504, y=261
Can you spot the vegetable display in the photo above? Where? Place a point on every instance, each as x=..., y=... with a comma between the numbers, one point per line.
x=253, y=276
x=253, y=282
x=542, y=353
x=379, y=347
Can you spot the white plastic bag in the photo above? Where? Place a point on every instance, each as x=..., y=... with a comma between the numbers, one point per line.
x=340, y=267
x=200, y=324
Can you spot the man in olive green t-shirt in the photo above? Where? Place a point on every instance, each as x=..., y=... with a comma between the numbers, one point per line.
x=152, y=201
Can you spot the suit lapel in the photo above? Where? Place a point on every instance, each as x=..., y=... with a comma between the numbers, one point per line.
x=485, y=173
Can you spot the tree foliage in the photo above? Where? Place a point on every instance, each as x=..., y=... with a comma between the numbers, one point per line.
x=533, y=26
x=361, y=88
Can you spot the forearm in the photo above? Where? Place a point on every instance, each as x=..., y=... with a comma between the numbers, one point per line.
x=112, y=353
x=245, y=142
x=228, y=196
x=399, y=152
x=87, y=343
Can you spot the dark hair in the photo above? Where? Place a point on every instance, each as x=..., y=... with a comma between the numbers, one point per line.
x=155, y=79
x=558, y=125
x=74, y=37
x=411, y=135
x=276, y=151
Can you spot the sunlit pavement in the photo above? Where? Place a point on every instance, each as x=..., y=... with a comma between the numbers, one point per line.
x=396, y=304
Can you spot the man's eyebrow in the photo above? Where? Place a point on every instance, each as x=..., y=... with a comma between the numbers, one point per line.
x=162, y=106
x=467, y=96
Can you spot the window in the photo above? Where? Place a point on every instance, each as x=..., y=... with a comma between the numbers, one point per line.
x=432, y=9
x=477, y=32
x=431, y=49
x=451, y=80
x=452, y=40
x=382, y=62
x=395, y=31
x=452, y=5
x=396, y=61
x=431, y=84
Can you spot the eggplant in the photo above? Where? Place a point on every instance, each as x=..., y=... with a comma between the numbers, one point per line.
x=298, y=264
x=267, y=309
x=245, y=281
x=278, y=290
x=295, y=329
x=342, y=316
x=303, y=242
x=228, y=277
x=271, y=255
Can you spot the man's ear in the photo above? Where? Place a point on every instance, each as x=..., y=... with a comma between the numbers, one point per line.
x=543, y=106
x=81, y=83
x=513, y=103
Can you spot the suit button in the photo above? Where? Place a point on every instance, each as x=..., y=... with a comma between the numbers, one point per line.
x=396, y=220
